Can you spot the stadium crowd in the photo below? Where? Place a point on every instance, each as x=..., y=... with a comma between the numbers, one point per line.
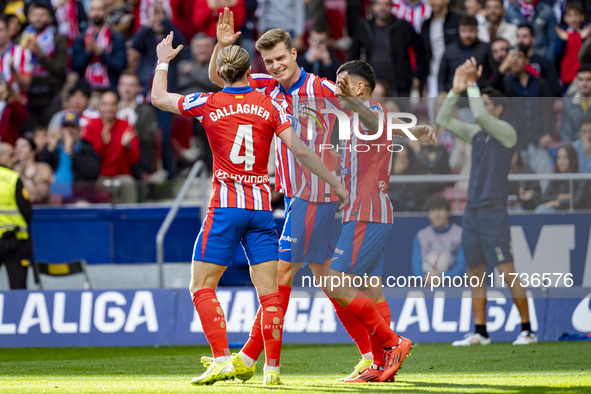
x=75, y=79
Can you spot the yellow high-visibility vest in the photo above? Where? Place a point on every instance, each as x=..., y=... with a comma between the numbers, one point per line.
x=10, y=216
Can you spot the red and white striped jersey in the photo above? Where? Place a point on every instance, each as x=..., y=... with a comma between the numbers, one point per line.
x=240, y=124
x=304, y=101
x=416, y=15
x=21, y=60
x=365, y=172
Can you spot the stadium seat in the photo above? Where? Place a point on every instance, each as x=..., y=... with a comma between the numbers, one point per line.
x=63, y=269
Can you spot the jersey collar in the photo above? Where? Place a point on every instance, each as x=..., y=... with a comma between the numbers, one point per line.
x=298, y=83
x=242, y=89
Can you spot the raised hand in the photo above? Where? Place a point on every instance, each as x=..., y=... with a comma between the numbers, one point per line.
x=225, y=29
x=472, y=69
x=424, y=133
x=459, y=82
x=343, y=86
x=165, y=51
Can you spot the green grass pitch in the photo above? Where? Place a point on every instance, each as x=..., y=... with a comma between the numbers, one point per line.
x=498, y=368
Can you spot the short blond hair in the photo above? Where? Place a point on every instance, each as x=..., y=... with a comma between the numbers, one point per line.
x=232, y=62
x=272, y=38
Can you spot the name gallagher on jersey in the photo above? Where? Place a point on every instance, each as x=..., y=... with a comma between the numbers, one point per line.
x=240, y=109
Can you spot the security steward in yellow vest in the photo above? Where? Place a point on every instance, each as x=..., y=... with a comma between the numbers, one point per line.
x=15, y=217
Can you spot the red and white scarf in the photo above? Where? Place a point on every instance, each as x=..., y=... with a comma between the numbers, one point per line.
x=96, y=72
x=67, y=18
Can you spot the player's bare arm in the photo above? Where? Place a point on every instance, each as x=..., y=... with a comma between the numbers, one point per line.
x=312, y=162
x=161, y=98
x=226, y=37
x=367, y=117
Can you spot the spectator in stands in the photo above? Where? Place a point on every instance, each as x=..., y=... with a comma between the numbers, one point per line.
x=438, y=32
x=569, y=43
x=386, y=41
x=287, y=14
x=15, y=61
x=143, y=118
x=438, y=242
x=319, y=59
x=495, y=26
x=523, y=195
x=71, y=19
x=502, y=58
x=533, y=117
x=406, y=196
x=466, y=47
x=143, y=44
x=99, y=52
x=78, y=100
x=382, y=90
x=205, y=14
x=558, y=195
x=583, y=145
x=117, y=143
x=16, y=25
x=12, y=113
x=414, y=11
x=40, y=139
x=193, y=73
x=37, y=177
x=576, y=107
x=539, y=66
x=475, y=8
x=539, y=15
x=74, y=160
x=434, y=159
x=50, y=58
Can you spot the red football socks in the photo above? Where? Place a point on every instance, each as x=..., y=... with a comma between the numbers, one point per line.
x=272, y=327
x=353, y=326
x=213, y=321
x=366, y=312
x=377, y=350
x=255, y=344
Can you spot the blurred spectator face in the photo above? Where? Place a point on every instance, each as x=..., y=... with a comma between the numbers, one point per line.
x=494, y=11
x=562, y=161
x=201, y=49
x=468, y=35
x=472, y=7
x=439, y=5
x=40, y=138
x=574, y=19
x=584, y=83
x=500, y=50
x=22, y=150
x=108, y=107
x=379, y=91
x=128, y=88
x=15, y=27
x=97, y=12
x=401, y=161
x=382, y=9
x=524, y=37
x=72, y=131
x=78, y=102
x=585, y=133
x=4, y=36
x=519, y=65
x=6, y=155
x=317, y=39
x=39, y=18
x=280, y=63
x=439, y=217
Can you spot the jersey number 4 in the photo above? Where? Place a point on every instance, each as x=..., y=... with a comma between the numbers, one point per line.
x=243, y=136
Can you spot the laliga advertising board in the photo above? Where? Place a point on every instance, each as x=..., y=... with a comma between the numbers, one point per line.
x=167, y=317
